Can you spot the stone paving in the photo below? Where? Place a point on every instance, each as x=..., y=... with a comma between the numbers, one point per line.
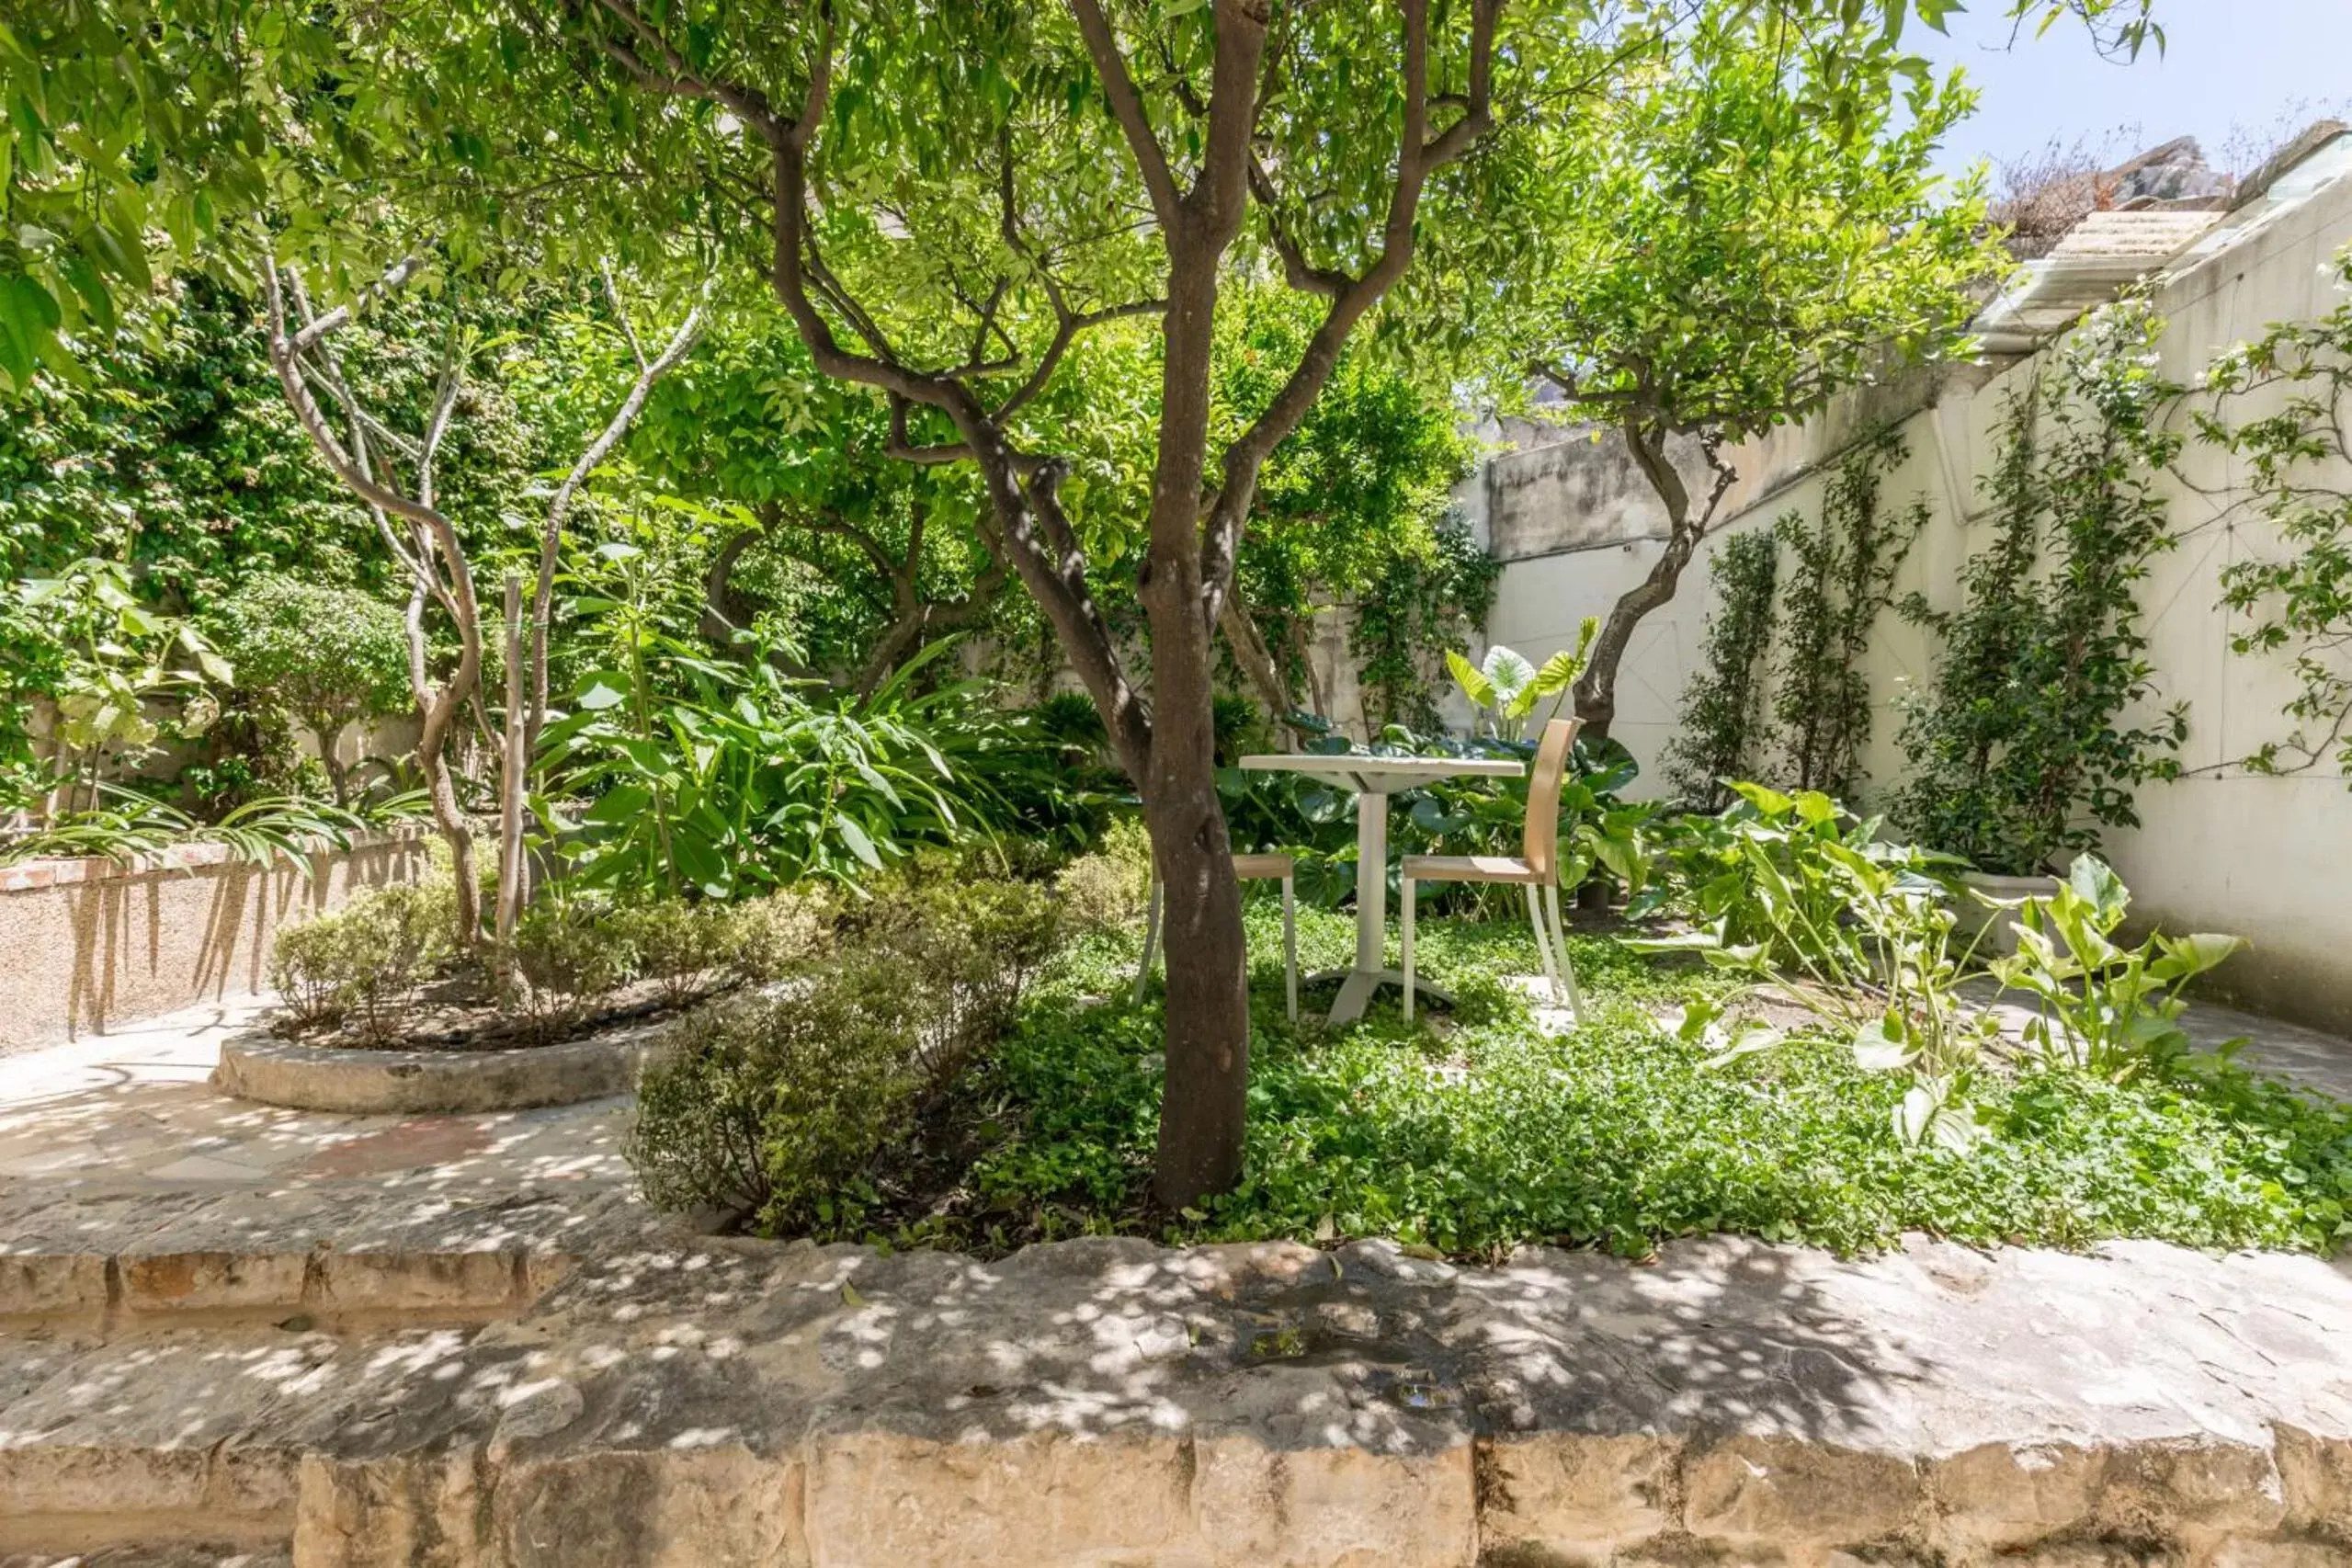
x=133, y=1110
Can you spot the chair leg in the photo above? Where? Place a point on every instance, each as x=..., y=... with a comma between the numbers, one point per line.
x=1290, y=949
x=1543, y=942
x=1409, y=902
x=1151, y=937
x=1560, y=941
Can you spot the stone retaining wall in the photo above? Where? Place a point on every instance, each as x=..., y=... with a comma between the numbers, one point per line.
x=1109, y=1402
x=92, y=945
x=528, y=1380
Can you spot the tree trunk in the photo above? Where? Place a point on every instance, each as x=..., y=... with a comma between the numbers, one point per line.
x=1257, y=660
x=513, y=759
x=1206, y=1032
x=329, y=734
x=433, y=763
x=1204, y=1108
x=1597, y=688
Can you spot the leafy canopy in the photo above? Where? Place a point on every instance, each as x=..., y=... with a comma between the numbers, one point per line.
x=1715, y=250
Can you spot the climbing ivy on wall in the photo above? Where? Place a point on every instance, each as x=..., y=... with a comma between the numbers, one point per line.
x=2026, y=745
x=1843, y=580
x=1726, y=728
x=1419, y=604
x=2297, y=599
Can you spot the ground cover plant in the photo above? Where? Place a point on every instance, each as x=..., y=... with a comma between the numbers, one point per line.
x=1498, y=1132
x=1482, y=1131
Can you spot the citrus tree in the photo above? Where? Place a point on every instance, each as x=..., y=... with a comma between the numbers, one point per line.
x=944, y=200
x=1720, y=251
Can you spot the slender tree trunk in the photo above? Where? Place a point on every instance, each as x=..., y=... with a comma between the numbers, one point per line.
x=1597, y=688
x=338, y=778
x=1257, y=662
x=514, y=760
x=435, y=709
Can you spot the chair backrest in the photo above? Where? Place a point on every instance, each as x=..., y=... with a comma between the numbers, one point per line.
x=1541, y=845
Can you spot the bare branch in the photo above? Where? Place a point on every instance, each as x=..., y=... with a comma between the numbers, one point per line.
x=393, y=279
x=445, y=402
x=1065, y=333
x=1477, y=104
x=681, y=344
x=903, y=448
x=621, y=314
x=675, y=77
x=1297, y=270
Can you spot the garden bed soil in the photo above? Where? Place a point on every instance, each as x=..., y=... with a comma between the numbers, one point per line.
x=452, y=1015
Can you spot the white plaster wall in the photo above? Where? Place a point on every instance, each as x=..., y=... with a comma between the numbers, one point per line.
x=2267, y=857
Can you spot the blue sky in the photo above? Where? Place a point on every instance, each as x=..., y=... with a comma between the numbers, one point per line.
x=2231, y=66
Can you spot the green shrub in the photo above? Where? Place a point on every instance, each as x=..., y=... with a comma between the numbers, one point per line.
x=687, y=948
x=363, y=963
x=968, y=943
x=975, y=948
x=569, y=955
x=327, y=657
x=769, y=939
x=777, y=1106
x=307, y=969
x=1106, y=890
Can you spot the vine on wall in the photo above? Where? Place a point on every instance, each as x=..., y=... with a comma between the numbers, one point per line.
x=1410, y=610
x=1801, y=717
x=2025, y=746
x=2299, y=601
x=1726, y=728
x=1844, y=579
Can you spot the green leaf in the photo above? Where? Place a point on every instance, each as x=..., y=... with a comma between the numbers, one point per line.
x=1749, y=1036
x=1511, y=679
x=2098, y=885
x=701, y=864
x=2185, y=958
x=620, y=805
x=1769, y=802
x=601, y=690
x=1881, y=1045
x=1557, y=673
x=1467, y=675
x=860, y=845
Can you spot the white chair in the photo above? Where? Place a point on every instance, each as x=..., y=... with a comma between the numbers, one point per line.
x=1537, y=868
x=1249, y=868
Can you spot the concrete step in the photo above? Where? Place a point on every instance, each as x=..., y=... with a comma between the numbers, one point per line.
x=190, y=1438
x=326, y=1257
x=208, y=1554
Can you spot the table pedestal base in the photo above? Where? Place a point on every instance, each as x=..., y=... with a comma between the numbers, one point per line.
x=1357, y=986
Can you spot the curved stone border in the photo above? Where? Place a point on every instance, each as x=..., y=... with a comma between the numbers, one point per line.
x=260, y=1066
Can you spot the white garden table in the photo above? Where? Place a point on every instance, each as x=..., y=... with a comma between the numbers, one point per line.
x=1374, y=779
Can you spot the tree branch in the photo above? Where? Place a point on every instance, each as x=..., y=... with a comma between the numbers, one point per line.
x=1229, y=512
x=681, y=343
x=395, y=278
x=1127, y=107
